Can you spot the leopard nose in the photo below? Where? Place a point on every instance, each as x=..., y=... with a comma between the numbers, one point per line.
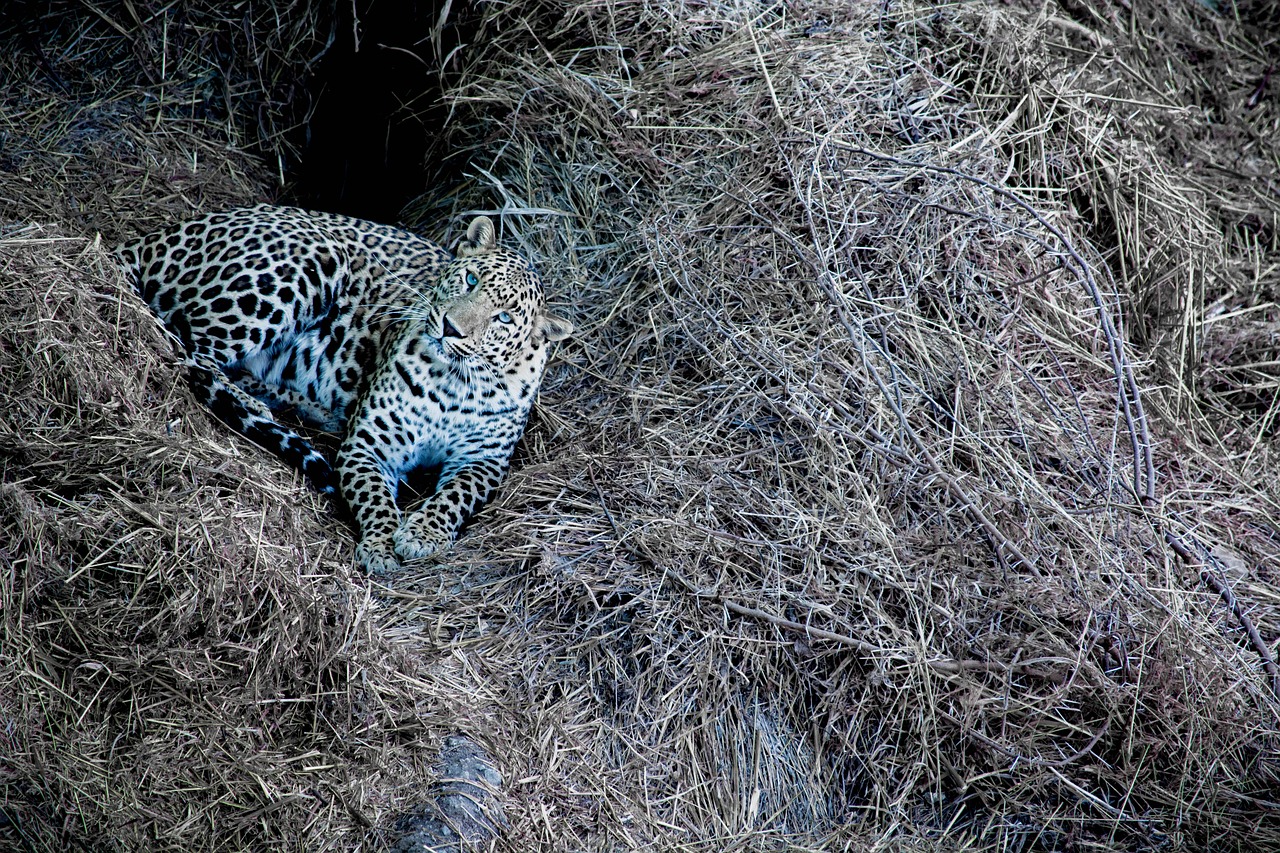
x=449, y=330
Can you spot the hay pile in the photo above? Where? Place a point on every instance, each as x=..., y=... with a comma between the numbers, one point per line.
x=910, y=482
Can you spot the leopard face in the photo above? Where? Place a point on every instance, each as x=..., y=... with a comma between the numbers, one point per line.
x=489, y=309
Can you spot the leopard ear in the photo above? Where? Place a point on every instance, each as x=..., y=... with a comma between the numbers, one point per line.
x=481, y=237
x=555, y=328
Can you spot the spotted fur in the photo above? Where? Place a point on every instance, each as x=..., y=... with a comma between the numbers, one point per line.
x=415, y=356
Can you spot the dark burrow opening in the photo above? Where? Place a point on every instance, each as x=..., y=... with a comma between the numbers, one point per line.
x=371, y=140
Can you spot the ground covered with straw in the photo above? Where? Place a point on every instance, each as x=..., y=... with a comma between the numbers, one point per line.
x=911, y=481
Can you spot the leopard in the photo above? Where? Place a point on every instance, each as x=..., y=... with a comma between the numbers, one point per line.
x=412, y=355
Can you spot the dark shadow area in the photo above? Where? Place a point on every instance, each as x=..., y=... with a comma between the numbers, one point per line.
x=370, y=142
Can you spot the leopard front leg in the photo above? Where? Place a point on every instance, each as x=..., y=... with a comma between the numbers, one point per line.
x=463, y=489
x=369, y=488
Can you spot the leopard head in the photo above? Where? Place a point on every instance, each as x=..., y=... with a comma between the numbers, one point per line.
x=489, y=306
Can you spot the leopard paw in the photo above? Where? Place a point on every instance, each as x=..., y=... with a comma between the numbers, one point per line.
x=377, y=558
x=412, y=546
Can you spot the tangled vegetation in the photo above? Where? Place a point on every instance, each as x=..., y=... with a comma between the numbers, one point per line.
x=910, y=482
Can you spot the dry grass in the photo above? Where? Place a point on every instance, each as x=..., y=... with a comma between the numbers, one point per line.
x=910, y=483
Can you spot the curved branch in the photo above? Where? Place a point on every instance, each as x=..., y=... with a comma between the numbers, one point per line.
x=1129, y=400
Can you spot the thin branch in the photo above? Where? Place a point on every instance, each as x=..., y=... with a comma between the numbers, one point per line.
x=1130, y=403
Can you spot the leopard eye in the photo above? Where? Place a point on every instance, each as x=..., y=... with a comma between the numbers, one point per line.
x=502, y=317
x=472, y=281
